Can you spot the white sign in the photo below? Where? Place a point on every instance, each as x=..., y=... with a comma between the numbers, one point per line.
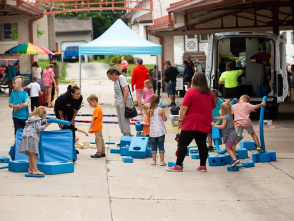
x=180, y=84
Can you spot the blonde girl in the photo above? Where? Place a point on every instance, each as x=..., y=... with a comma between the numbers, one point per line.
x=229, y=132
x=29, y=144
x=156, y=117
x=147, y=91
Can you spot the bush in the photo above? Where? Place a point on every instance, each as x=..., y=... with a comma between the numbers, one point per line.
x=116, y=59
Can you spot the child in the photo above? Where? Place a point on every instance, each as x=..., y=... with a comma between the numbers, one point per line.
x=34, y=93
x=215, y=113
x=145, y=122
x=147, y=91
x=229, y=132
x=19, y=102
x=241, y=113
x=156, y=116
x=96, y=126
x=29, y=144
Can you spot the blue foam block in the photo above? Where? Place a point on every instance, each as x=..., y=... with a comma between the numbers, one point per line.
x=4, y=159
x=256, y=157
x=230, y=169
x=149, y=152
x=195, y=156
x=57, y=121
x=124, y=150
x=265, y=157
x=56, y=167
x=34, y=176
x=138, y=147
x=217, y=160
x=247, y=164
x=193, y=150
x=249, y=145
x=228, y=159
x=170, y=164
x=5, y=167
x=127, y=159
x=19, y=166
x=273, y=155
x=138, y=125
x=125, y=140
x=187, y=154
x=243, y=153
x=57, y=145
x=114, y=150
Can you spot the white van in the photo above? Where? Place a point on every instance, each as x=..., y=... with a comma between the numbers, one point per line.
x=262, y=55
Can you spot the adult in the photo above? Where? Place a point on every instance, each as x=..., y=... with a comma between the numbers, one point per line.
x=191, y=64
x=157, y=72
x=122, y=98
x=12, y=71
x=67, y=106
x=36, y=70
x=139, y=75
x=195, y=121
x=187, y=74
x=47, y=81
x=230, y=80
x=170, y=77
x=57, y=74
x=124, y=65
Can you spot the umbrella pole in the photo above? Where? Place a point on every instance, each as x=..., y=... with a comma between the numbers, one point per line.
x=80, y=67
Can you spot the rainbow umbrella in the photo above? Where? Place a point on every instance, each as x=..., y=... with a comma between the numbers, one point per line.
x=28, y=49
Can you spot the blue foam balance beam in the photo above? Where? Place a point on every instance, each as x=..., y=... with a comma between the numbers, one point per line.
x=170, y=164
x=231, y=169
x=124, y=150
x=217, y=160
x=228, y=159
x=193, y=150
x=56, y=167
x=249, y=145
x=107, y=143
x=19, y=166
x=4, y=159
x=138, y=147
x=114, y=150
x=34, y=176
x=127, y=159
x=243, y=153
x=5, y=167
x=57, y=121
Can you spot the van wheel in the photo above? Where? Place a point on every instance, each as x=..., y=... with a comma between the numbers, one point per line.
x=273, y=112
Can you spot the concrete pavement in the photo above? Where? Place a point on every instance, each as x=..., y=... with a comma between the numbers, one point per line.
x=107, y=189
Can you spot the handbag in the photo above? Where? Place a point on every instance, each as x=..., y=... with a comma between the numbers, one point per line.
x=129, y=112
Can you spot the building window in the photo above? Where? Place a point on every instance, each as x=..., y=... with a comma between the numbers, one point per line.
x=6, y=31
x=191, y=36
x=203, y=37
x=292, y=38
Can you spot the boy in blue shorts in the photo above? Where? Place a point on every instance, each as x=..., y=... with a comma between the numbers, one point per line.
x=215, y=113
x=19, y=100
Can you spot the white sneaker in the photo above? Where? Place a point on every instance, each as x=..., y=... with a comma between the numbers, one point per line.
x=162, y=163
x=153, y=163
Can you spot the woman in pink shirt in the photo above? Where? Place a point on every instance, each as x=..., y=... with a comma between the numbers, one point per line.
x=195, y=121
x=47, y=80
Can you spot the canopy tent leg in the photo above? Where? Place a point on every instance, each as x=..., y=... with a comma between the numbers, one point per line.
x=80, y=68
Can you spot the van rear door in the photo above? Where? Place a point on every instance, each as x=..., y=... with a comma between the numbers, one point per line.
x=209, y=61
x=280, y=66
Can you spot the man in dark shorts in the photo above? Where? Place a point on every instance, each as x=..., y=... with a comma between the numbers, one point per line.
x=170, y=77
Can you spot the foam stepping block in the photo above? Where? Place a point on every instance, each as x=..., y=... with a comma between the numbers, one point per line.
x=171, y=164
x=127, y=159
x=273, y=155
x=4, y=159
x=193, y=150
x=114, y=150
x=218, y=160
x=231, y=169
x=34, y=176
x=138, y=147
x=228, y=159
x=125, y=140
x=57, y=145
x=246, y=164
x=265, y=157
x=5, y=167
x=124, y=150
x=243, y=153
x=19, y=166
x=195, y=156
x=149, y=152
x=187, y=154
x=56, y=167
x=138, y=125
x=256, y=157
x=249, y=145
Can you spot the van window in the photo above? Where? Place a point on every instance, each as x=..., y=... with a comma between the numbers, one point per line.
x=2, y=64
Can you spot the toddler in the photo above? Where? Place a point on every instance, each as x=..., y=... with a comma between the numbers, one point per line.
x=156, y=116
x=145, y=122
x=229, y=132
x=19, y=100
x=241, y=113
x=34, y=93
x=215, y=113
x=29, y=144
x=147, y=91
x=96, y=126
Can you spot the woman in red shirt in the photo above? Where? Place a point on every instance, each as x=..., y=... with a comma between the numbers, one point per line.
x=195, y=121
x=124, y=65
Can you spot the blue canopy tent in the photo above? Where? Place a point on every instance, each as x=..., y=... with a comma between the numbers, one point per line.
x=119, y=39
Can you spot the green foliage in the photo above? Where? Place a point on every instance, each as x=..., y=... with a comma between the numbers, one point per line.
x=116, y=59
x=14, y=32
x=102, y=22
x=43, y=63
x=39, y=32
